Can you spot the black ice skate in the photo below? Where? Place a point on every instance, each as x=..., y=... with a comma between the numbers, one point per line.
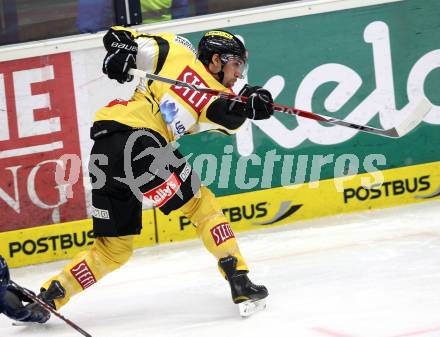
x=55, y=291
x=248, y=296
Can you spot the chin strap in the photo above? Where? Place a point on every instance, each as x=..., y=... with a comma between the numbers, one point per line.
x=221, y=76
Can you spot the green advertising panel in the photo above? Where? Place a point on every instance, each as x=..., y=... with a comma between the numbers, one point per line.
x=367, y=65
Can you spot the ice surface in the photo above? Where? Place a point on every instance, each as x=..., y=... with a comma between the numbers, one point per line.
x=371, y=274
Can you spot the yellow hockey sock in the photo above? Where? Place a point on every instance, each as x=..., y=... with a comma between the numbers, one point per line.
x=86, y=268
x=212, y=227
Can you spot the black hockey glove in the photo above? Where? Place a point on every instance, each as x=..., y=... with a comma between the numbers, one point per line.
x=259, y=104
x=121, y=55
x=11, y=299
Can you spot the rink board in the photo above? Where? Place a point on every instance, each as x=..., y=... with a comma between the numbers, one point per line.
x=60, y=241
x=246, y=211
x=50, y=90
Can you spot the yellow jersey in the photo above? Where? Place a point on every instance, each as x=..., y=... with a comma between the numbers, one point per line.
x=169, y=109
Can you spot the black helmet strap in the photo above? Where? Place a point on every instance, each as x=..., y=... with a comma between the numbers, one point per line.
x=221, y=74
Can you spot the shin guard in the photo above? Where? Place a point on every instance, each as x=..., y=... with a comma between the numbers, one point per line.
x=106, y=255
x=212, y=227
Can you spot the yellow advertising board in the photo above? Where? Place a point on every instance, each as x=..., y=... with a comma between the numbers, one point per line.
x=277, y=206
x=60, y=241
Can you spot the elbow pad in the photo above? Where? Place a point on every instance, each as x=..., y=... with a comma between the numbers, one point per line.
x=225, y=113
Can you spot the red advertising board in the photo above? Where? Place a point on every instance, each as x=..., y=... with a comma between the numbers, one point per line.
x=38, y=124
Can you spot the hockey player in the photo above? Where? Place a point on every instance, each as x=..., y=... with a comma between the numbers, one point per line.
x=13, y=301
x=135, y=136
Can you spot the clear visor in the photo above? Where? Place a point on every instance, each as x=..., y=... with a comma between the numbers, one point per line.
x=236, y=62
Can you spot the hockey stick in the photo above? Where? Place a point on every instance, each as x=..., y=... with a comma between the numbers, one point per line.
x=415, y=117
x=49, y=308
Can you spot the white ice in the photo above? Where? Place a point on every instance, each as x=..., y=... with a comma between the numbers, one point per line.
x=370, y=274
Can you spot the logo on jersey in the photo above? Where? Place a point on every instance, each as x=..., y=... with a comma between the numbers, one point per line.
x=168, y=110
x=164, y=192
x=100, y=213
x=185, y=43
x=185, y=172
x=83, y=274
x=116, y=102
x=197, y=100
x=221, y=233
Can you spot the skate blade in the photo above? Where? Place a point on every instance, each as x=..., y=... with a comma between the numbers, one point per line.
x=18, y=323
x=250, y=307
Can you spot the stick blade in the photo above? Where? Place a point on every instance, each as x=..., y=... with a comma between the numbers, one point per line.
x=415, y=117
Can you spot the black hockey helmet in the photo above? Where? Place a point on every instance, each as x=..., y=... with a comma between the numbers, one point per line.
x=221, y=42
